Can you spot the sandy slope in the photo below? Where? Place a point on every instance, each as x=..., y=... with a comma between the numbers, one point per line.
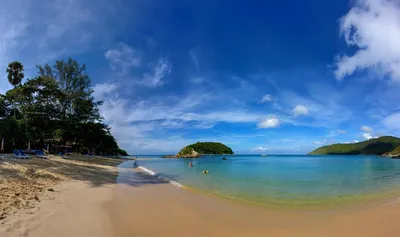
x=33, y=192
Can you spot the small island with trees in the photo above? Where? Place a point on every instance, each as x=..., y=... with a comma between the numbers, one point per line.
x=386, y=146
x=198, y=149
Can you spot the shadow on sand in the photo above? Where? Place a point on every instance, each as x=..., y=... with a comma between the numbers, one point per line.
x=96, y=171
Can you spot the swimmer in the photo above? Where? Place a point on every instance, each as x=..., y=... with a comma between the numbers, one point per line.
x=190, y=164
x=205, y=171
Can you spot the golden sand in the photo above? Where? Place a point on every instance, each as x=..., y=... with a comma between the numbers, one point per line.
x=144, y=206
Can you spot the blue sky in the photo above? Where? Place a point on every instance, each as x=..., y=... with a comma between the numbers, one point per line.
x=259, y=76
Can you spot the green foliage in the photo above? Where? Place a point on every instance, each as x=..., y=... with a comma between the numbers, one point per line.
x=75, y=95
x=210, y=148
x=396, y=151
x=15, y=73
x=377, y=146
x=121, y=152
x=55, y=107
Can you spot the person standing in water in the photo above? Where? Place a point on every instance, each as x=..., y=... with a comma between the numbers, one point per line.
x=190, y=164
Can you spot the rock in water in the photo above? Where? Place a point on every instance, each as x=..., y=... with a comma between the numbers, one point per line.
x=188, y=152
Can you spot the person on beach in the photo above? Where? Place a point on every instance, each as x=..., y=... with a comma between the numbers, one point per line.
x=135, y=164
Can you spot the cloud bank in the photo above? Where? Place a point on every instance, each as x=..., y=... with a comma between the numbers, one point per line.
x=373, y=28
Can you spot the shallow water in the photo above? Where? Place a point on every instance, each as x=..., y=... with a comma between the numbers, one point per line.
x=297, y=180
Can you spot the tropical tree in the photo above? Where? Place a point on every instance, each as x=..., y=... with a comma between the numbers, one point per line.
x=55, y=107
x=15, y=74
x=74, y=85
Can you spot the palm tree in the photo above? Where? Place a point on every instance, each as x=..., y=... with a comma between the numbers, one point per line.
x=15, y=74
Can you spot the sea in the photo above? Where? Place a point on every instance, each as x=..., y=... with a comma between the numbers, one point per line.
x=290, y=180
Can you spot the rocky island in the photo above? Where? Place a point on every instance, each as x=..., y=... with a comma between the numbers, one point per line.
x=198, y=149
x=385, y=146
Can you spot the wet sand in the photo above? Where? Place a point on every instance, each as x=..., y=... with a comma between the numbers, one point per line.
x=153, y=208
x=144, y=206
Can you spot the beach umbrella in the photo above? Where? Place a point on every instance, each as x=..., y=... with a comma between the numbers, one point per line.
x=2, y=144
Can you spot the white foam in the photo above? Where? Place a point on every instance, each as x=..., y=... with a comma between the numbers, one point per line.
x=152, y=173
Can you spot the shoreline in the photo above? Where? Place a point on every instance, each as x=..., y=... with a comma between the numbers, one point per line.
x=176, y=211
x=358, y=201
x=134, y=201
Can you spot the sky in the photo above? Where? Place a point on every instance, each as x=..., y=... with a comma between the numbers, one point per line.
x=276, y=77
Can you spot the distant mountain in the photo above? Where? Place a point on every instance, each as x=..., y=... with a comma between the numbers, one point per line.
x=203, y=148
x=378, y=146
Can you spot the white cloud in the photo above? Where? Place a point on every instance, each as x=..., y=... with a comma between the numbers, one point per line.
x=162, y=69
x=392, y=121
x=367, y=132
x=269, y=123
x=300, y=110
x=100, y=91
x=266, y=98
x=322, y=112
x=342, y=131
x=260, y=149
x=366, y=129
x=367, y=136
x=373, y=27
x=354, y=141
x=122, y=58
x=134, y=123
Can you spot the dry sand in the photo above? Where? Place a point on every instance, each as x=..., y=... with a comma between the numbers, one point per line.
x=33, y=190
x=141, y=205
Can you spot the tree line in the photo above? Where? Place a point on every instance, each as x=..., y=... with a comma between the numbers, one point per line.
x=211, y=148
x=54, y=110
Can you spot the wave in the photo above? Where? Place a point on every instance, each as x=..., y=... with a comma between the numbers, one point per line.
x=162, y=177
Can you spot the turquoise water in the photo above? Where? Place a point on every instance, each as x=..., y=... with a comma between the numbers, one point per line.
x=284, y=179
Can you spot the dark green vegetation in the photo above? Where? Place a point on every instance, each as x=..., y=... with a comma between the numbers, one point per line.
x=211, y=148
x=376, y=146
x=56, y=109
x=202, y=148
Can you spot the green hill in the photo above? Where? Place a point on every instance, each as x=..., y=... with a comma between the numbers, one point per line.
x=376, y=146
x=203, y=148
x=211, y=148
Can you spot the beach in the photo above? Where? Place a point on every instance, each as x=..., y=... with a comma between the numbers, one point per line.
x=87, y=201
x=35, y=192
